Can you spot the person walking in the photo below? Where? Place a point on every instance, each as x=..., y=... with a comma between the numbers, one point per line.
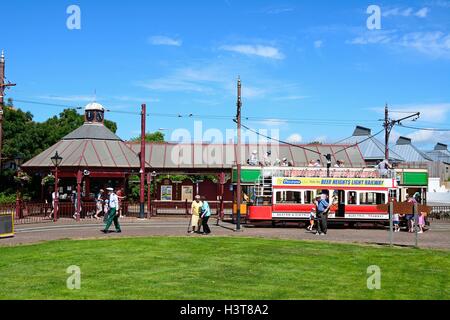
x=205, y=214
x=410, y=216
x=75, y=204
x=195, y=213
x=55, y=194
x=49, y=204
x=113, y=214
x=99, y=203
x=121, y=197
x=323, y=207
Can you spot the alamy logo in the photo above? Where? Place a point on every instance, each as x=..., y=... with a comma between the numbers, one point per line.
x=74, y=280
x=374, y=21
x=374, y=280
x=74, y=20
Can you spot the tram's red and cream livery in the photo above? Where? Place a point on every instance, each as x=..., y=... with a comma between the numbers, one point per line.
x=285, y=194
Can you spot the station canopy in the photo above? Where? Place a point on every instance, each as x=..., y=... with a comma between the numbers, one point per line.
x=372, y=149
x=223, y=156
x=409, y=152
x=90, y=146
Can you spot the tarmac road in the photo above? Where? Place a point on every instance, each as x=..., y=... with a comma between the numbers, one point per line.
x=437, y=237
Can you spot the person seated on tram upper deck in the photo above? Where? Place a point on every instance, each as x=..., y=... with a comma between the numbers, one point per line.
x=383, y=168
x=339, y=164
x=267, y=161
x=285, y=162
x=253, y=161
x=312, y=164
x=318, y=163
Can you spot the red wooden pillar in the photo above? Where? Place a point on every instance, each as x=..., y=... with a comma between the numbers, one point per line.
x=79, y=180
x=56, y=203
x=142, y=156
x=149, y=196
x=222, y=186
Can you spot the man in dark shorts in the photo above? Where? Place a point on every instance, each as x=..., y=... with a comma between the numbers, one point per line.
x=323, y=207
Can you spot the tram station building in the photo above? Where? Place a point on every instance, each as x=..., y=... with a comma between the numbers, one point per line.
x=94, y=158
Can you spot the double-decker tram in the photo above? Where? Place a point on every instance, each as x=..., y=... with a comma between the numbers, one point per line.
x=288, y=194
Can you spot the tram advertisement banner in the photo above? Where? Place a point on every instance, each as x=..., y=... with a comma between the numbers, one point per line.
x=334, y=182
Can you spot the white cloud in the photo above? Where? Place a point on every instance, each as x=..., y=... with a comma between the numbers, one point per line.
x=422, y=137
x=76, y=98
x=397, y=12
x=440, y=3
x=422, y=13
x=134, y=99
x=290, y=98
x=374, y=37
x=405, y=12
x=256, y=50
x=318, y=44
x=273, y=122
x=278, y=10
x=164, y=41
x=172, y=84
x=295, y=138
x=435, y=44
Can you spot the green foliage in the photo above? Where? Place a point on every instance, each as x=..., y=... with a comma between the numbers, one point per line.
x=48, y=180
x=151, y=137
x=7, y=198
x=25, y=138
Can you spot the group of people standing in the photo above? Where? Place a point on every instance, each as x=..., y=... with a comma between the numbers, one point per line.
x=267, y=160
x=200, y=213
x=102, y=203
x=410, y=218
x=320, y=211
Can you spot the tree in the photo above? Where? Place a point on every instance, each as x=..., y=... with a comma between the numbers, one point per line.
x=151, y=137
x=25, y=138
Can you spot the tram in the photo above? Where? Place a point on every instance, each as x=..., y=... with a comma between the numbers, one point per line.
x=288, y=194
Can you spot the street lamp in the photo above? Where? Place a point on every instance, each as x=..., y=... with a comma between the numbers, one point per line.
x=56, y=160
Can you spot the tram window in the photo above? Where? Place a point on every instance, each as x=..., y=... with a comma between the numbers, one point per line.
x=289, y=197
x=372, y=198
x=351, y=196
x=309, y=197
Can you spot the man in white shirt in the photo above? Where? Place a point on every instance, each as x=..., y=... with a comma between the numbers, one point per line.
x=113, y=213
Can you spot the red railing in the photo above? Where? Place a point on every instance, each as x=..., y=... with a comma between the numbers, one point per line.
x=36, y=212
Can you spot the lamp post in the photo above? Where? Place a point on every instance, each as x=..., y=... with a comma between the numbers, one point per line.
x=56, y=160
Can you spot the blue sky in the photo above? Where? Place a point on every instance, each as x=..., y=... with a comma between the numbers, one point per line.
x=310, y=60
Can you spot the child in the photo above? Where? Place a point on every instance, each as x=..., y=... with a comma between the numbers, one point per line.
x=396, y=220
x=312, y=217
x=421, y=222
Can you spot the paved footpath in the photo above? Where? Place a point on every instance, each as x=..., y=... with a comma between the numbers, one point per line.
x=437, y=237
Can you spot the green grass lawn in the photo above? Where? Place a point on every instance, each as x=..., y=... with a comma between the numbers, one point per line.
x=220, y=268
